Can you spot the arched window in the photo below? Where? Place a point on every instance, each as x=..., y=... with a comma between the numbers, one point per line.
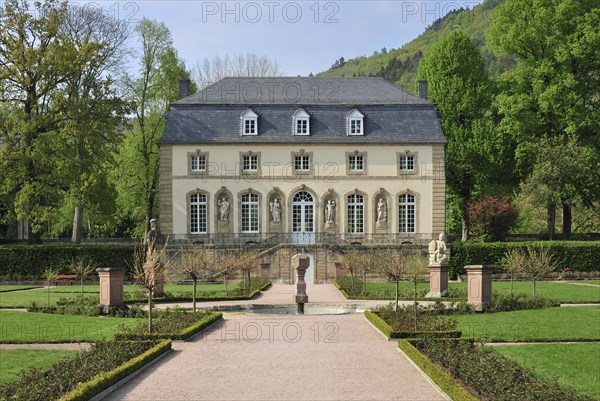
x=406, y=213
x=356, y=213
x=198, y=214
x=250, y=217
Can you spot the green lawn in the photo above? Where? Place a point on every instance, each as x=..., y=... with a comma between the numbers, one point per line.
x=552, y=324
x=573, y=365
x=25, y=327
x=23, y=299
x=562, y=292
x=13, y=361
x=6, y=288
x=597, y=282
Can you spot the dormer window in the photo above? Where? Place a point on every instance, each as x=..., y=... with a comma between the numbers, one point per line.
x=249, y=122
x=355, y=122
x=301, y=121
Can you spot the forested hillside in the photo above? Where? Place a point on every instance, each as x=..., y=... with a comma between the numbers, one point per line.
x=400, y=65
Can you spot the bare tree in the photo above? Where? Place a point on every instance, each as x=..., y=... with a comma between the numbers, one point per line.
x=49, y=275
x=416, y=267
x=195, y=263
x=82, y=267
x=350, y=262
x=391, y=264
x=539, y=263
x=149, y=268
x=513, y=261
x=212, y=70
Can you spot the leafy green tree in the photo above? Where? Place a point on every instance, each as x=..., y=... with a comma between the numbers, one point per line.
x=554, y=90
x=33, y=70
x=155, y=86
x=459, y=85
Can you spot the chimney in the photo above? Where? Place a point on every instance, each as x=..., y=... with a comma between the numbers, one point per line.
x=422, y=86
x=184, y=89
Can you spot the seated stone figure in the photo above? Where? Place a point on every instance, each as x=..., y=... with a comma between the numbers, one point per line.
x=438, y=251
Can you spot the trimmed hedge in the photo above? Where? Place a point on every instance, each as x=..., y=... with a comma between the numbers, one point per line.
x=89, y=389
x=391, y=333
x=579, y=256
x=20, y=261
x=181, y=335
x=443, y=379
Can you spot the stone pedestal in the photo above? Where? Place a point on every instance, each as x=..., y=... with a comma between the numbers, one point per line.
x=301, y=263
x=339, y=271
x=479, y=279
x=111, y=288
x=265, y=271
x=438, y=280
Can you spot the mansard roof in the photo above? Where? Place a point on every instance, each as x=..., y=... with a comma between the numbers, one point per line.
x=392, y=116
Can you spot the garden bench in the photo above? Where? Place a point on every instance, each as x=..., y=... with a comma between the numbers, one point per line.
x=65, y=278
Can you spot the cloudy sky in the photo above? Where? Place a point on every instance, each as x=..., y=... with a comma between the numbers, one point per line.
x=303, y=36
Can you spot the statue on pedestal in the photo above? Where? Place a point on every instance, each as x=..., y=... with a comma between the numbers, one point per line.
x=275, y=209
x=381, y=212
x=439, y=253
x=223, y=210
x=330, y=212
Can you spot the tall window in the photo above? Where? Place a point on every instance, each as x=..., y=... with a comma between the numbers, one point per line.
x=302, y=163
x=198, y=214
x=407, y=163
x=250, y=213
x=198, y=163
x=250, y=163
x=406, y=213
x=356, y=163
x=355, y=214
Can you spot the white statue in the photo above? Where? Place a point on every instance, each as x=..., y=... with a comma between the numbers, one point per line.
x=438, y=251
x=381, y=211
x=330, y=211
x=275, y=209
x=223, y=209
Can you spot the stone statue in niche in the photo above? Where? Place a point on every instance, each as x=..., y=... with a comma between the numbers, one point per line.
x=223, y=210
x=275, y=209
x=439, y=253
x=381, y=212
x=330, y=212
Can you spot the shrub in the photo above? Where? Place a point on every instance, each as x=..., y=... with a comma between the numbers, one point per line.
x=36, y=384
x=20, y=261
x=492, y=217
x=490, y=375
x=578, y=256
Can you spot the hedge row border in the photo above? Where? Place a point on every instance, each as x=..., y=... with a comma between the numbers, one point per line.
x=389, y=332
x=159, y=300
x=444, y=380
x=103, y=381
x=182, y=335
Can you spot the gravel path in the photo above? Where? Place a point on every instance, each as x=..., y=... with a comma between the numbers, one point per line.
x=268, y=357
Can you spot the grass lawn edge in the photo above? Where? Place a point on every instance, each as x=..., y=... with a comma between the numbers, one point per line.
x=182, y=335
x=387, y=330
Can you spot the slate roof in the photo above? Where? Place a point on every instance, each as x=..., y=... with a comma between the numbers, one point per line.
x=392, y=116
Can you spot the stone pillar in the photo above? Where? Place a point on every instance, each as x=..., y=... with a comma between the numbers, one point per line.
x=479, y=279
x=111, y=287
x=264, y=271
x=301, y=263
x=438, y=280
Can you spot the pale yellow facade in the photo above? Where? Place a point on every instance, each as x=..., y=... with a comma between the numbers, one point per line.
x=329, y=178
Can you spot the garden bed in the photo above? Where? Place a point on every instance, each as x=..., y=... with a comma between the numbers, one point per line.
x=482, y=373
x=174, y=325
x=87, y=374
x=400, y=324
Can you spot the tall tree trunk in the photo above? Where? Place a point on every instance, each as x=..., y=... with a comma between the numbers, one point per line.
x=77, y=224
x=567, y=221
x=397, y=291
x=149, y=312
x=551, y=219
x=194, y=295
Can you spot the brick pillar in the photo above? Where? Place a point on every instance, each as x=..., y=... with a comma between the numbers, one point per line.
x=111, y=287
x=438, y=280
x=265, y=271
x=479, y=279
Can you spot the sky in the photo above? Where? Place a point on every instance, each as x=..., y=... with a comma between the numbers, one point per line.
x=303, y=36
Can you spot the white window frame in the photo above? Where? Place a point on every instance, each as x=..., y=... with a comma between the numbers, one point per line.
x=250, y=210
x=352, y=166
x=304, y=163
x=249, y=119
x=406, y=161
x=252, y=163
x=198, y=209
x=355, y=214
x=301, y=122
x=198, y=163
x=355, y=123
x=407, y=205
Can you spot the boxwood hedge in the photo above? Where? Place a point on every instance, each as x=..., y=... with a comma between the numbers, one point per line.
x=30, y=261
x=579, y=256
